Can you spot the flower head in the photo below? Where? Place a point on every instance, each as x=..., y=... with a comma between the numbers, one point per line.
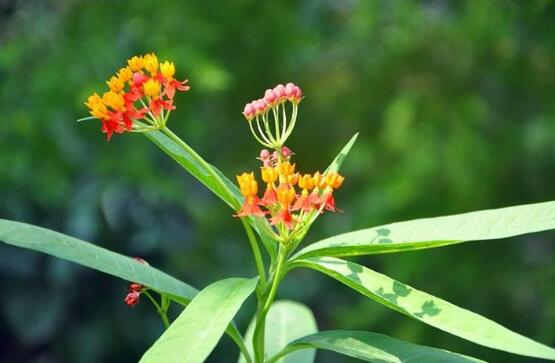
x=289, y=197
x=269, y=113
x=137, y=96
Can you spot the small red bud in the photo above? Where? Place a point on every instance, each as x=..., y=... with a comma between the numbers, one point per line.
x=132, y=298
x=135, y=287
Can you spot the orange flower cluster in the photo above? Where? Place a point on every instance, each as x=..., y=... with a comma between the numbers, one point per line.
x=281, y=201
x=140, y=91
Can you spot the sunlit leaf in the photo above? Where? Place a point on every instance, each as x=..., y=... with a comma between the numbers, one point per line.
x=333, y=167
x=87, y=254
x=372, y=347
x=213, y=179
x=195, y=333
x=338, y=161
x=427, y=308
x=436, y=232
x=285, y=322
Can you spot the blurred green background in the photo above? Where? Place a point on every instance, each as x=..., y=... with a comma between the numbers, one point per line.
x=454, y=101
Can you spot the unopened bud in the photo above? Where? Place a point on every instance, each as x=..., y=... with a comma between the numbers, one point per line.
x=286, y=152
x=264, y=154
x=132, y=298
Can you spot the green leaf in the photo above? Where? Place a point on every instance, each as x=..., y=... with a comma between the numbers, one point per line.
x=220, y=185
x=372, y=347
x=427, y=308
x=336, y=163
x=86, y=254
x=189, y=160
x=436, y=232
x=285, y=322
x=195, y=333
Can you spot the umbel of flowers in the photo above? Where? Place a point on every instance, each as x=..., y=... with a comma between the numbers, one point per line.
x=290, y=198
x=139, y=96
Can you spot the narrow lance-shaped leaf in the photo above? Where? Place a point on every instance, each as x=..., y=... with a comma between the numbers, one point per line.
x=220, y=185
x=333, y=167
x=373, y=347
x=427, y=308
x=195, y=333
x=285, y=322
x=338, y=161
x=188, y=159
x=436, y=232
x=87, y=254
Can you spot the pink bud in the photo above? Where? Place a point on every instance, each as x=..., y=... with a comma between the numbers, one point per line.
x=267, y=163
x=275, y=156
x=297, y=93
x=279, y=90
x=259, y=105
x=289, y=89
x=270, y=97
x=249, y=111
x=286, y=152
x=264, y=154
x=139, y=79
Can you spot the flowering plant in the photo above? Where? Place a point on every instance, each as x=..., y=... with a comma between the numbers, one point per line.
x=139, y=99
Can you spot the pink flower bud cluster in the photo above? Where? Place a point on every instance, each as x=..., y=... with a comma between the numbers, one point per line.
x=270, y=159
x=272, y=97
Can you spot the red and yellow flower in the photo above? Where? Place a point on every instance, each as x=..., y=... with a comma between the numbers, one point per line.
x=139, y=97
x=281, y=202
x=249, y=189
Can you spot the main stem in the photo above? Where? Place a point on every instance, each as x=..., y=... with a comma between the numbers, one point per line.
x=264, y=304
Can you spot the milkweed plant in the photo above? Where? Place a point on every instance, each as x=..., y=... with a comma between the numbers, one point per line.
x=276, y=204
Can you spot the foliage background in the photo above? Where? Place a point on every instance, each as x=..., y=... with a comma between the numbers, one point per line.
x=455, y=105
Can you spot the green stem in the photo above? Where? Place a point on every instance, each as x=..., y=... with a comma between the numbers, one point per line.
x=162, y=310
x=284, y=352
x=257, y=255
x=236, y=336
x=264, y=306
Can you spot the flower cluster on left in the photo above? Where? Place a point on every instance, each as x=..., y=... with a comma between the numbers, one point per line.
x=139, y=96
